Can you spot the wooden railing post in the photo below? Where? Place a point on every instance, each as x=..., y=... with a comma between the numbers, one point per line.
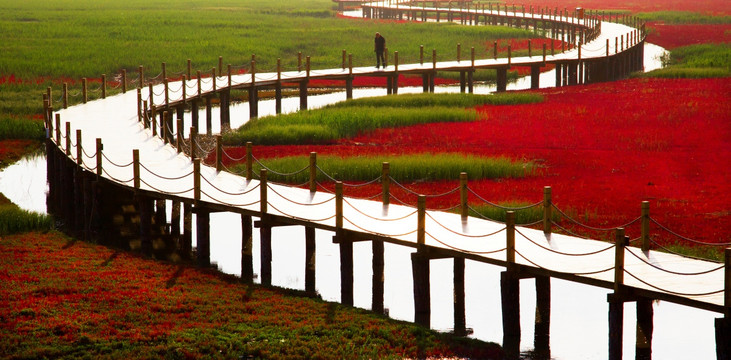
x=198, y=80
x=220, y=62
x=65, y=95
x=193, y=141
x=219, y=153
x=509, y=55
x=421, y=221
x=179, y=135
x=84, y=95
x=530, y=49
x=620, y=243
x=421, y=54
x=350, y=64
x=136, y=167
x=249, y=161
x=463, y=195
x=339, y=205
x=395, y=64
x=727, y=283
x=124, y=81
x=68, y=138
x=104, y=86
x=434, y=58
x=139, y=105
x=547, y=209
x=544, y=54
x=510, y=239
x=472, y=56
x=344, y=53
x=313, y=171
x=213, y=78
x=79, y=150
x=99, y=148
x=459, y=52
x=386, y=183
x=229, y=73
x=58, y=129
x=263, y=192
x=308, y=66
x=197, y=179
x=141, y=73
x=494, y=50
x=645, y=226
x=189, y=68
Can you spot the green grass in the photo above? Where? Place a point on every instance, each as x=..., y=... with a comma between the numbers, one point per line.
x=14, y=220
x=522, y=216
x=77, y=38
x=416, y=167
x=15, y=128
x=684, y=17
x=713, y=253
x=695, y=61
x=451, y=100
x=350, y=118
x=327, y=125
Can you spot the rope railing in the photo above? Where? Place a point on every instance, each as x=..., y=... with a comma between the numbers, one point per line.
x=231, y=193
x=115, y=164
x=561, y=252
x=227, y=203
x=117, y=179
x=348, y=184
x=167, y=192
x=720, y=267
x=378, y=233
x=379, y=219
x=563, y=272
x=508, y=208
x=278, y=173
x=300, y=203
x=426, y=233
x=686, y=238
x=299, y=217
x=670, y=291
x=409, y=191
x=165, y=177
x=566, y=216
x=461, y=233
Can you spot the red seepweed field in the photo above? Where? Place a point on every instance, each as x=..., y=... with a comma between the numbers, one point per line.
x=603, y=148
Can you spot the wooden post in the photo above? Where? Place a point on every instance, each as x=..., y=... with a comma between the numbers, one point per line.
x=203, y=236
x=723, y=325
x=219, y=153
x=84, y=95
x=459, y=52
x=422, y=301
x=385, y=183
x=247, y=258
x=313, y=172
x=104, y=86
x=179, y=135
x=643, y=345
x=79, y=150
x=249, y=162
x=421, y=221
x=310, y=258
x=141, y=73
x=189, y=68
x=196, y=179
x=547, y=204
x=494, y=50
x=265, y=232
x=464, y=209
x=213, y=78
x=278, y=88
x=175, y=223
x=620, y=243
x=124, y=81
x=460, y=328
x=502, y=79
x=65, y=95
x=186, y=242
x=167, y=92
x=541, y=338
x=220, y=62
x=645, y=226
x=378, y=277
x=193, y=141
x=99, y=148
x=68, y=138
x=616, y=300
x=421, y=54
x=136, y=167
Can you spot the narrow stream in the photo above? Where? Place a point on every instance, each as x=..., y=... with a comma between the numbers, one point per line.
x=579, y=313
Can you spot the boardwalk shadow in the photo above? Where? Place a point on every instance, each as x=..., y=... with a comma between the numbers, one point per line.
x=110, y=259
x=174, y=279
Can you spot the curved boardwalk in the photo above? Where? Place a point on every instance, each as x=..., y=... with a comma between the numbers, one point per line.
x=105, y=157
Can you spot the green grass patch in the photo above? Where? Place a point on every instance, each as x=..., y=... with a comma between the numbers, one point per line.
x=522, y=216
x=14, y=220
x=416, y=167
x=713, y=253
x=327, y=125
x=684, y=17
x=16, y=128
x=695, y=61
x=451, y=100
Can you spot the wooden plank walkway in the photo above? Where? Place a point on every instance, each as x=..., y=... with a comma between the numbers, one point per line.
x=165, y=172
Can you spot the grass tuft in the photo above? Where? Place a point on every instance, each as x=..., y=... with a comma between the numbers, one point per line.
x=14, y=220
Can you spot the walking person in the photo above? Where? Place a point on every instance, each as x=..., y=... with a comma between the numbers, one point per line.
x=380, y=48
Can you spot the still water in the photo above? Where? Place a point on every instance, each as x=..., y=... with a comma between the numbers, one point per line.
x=579, y=313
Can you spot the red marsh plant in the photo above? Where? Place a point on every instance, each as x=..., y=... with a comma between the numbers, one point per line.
x=63, y=298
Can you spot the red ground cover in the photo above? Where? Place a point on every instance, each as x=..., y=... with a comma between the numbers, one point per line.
x=604, y=148
x=710, y=6
x=671, y=36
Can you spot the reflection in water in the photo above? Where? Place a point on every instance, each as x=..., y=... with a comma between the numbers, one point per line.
x=579, y=313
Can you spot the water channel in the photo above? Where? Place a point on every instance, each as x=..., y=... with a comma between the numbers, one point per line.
x=579, y=313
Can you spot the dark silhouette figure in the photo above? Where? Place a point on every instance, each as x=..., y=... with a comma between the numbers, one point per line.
x=380, y=48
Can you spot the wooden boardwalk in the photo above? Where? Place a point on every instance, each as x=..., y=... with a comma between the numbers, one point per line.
x=112, y=140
